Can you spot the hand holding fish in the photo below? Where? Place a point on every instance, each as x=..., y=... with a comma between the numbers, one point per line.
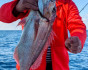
x=73, y=44
x=26, y=5
x=37, y=35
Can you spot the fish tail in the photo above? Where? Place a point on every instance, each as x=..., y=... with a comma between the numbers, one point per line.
x=15, y=56
x=51, y=38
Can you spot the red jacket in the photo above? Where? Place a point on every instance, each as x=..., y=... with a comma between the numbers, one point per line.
x=67, y=19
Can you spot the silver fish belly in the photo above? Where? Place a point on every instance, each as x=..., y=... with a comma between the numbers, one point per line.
x=35, y=34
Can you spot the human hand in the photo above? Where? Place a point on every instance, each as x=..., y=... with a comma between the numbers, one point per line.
x=26, y=5
x=73, y=44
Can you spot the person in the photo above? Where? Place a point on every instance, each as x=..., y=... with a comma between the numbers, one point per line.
x=68, y=18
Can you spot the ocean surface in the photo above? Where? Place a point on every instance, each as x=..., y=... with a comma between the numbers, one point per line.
x=9, y=40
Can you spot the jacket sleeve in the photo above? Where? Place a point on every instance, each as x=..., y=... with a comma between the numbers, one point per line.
x=6, y=12
x=76, y=26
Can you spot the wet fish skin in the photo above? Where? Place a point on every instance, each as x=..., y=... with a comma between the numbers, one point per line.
x=45, y=27
x=27, y=38
x=47, y=8
x=35, y=35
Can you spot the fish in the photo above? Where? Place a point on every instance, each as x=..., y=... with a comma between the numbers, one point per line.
x=36, y=34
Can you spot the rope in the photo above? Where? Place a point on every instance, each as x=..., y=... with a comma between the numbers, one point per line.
x=83, y=8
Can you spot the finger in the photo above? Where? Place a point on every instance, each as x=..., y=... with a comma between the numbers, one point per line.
x=74, y=51
x=32, y=2
x=36, y=0
x=78, y=50
x=67, y=43
x=68, y=46
x=75, y=41
x=77, y=47
x=30, y=6
x=73, y=44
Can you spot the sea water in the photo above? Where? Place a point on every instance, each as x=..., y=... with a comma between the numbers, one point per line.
x=9, y=40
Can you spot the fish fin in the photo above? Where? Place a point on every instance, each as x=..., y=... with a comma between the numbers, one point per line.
x=51, y=38
x=36, y=26
x=22, y=22
x=38, y=61
x=15, y=56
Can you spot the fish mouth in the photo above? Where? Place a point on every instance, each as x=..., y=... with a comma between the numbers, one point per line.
x=50, y=18
x=43, y=16
x=47, y=9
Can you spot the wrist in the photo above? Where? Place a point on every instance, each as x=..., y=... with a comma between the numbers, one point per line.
x=15, y=12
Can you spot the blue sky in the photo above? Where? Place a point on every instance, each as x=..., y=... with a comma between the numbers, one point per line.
x=79, y=3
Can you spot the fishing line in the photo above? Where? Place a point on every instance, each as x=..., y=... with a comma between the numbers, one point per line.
x=83, y=8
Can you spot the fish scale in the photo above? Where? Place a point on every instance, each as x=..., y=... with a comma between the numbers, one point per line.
x=36, y=35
